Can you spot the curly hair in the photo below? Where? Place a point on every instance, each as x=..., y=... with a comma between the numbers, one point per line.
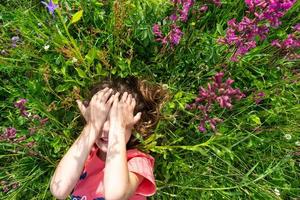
x=149, y=101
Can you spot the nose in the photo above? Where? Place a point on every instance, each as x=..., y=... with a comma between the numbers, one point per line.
x=105, y=129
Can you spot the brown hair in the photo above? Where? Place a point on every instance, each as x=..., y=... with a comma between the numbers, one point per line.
x=149, y=100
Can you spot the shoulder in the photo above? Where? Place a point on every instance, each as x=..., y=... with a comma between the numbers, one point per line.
x=133, y=153
x=142, y=164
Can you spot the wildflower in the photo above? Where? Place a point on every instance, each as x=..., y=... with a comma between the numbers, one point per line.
x=175, y=35
x=276, y=191
x=290, y=45
x=51, y=6
x=46, y=47
x=297, y=143
x=21, y=106
x=74, y=60
x=43, y=121
x=217, y=2
x=288, y=136
x=187, y=4
x=14, y=41
x=10, y=133
x=258, y=97
x=3, y=52
x=297, y=27
x=203, y=8
x=218, y=92
x=156, y=30
x=243, y=35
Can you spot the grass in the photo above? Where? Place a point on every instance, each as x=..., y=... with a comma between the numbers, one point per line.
x=250, y=156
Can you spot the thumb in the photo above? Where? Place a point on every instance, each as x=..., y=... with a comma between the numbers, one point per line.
x=81, y=107
x=137, y=117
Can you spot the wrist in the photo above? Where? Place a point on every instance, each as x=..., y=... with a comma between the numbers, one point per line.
x=93, y=127
x=117, y=129
x=96, y=125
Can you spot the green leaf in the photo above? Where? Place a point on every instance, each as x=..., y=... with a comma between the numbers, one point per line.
x=255, y=119
x=90, y=56
x=81, y=73
x=63, y=87
x=76, y=17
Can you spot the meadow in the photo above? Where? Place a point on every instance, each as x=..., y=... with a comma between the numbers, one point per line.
x=230, y=126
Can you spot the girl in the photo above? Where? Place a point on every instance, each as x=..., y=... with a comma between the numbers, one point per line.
x=98, y=164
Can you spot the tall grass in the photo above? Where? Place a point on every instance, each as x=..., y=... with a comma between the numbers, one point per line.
x=254, y=154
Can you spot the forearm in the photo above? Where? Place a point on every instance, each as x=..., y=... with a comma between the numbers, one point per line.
x=116, y=176
x=70, y=167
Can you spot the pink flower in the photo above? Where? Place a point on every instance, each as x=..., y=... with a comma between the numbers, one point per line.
x=175, y=35
x=156, y=30
x=203, y=8
x=21, y=106
x=242, y=35
x=10, y=133
x=219, y=93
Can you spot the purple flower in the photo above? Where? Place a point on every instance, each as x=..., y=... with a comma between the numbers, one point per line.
x=297, y=27
x=21, y=106
x=217, y=2
x=243, y=35
x=173, y=17
x=217, y=93
x=14, y=41
x=156, y=30
x=289, y=46
x=175, y=35
x=51, y=6
x=203, y=8
x=258, y=97
x=10, y=133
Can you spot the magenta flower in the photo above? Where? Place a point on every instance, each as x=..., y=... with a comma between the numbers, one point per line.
x=156, y=30
x=203, y=8
x=243, y=35
x=217, y=2
x=175, y=35
x=297, y=28
x=21, y=106
x=51, y=6
x=217, y=93
x=10, y=133
x=290, y=46
x=258, y=97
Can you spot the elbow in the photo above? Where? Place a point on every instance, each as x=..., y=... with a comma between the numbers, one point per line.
x=58, y=192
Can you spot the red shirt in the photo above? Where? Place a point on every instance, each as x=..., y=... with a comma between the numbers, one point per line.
x=90, y=183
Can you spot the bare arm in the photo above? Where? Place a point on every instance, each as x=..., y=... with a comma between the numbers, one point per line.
x=70, y=167
x=119, y=183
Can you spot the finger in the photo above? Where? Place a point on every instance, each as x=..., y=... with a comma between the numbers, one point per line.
x=101, y=92
x=110, y=100
x=133, y=103
x=116, y=98
x=81, y=107
x=137, y=117
x=106, y=95
x=124, y=97
x=129, y=99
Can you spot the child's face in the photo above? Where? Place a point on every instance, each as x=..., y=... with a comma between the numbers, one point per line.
x=102, y=140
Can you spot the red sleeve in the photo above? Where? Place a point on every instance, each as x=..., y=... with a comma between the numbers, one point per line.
x=144, y=167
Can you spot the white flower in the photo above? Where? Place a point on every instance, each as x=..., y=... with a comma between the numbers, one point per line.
x=46, y=47
x=297, y=143
x=74, y=60
x=276, y=191
x=288, y=136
